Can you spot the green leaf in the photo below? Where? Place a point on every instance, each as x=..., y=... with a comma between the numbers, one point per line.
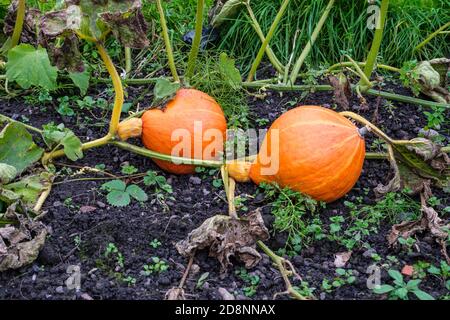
x=7, y=173
x=81, y=80
x=413, y=284
x=31, y=187
x=117, y=185
x=421, y=295
x=72, y=146
x=31, y=67
x=397, y=276
x=118, y=198
x=229, y=71
x=402, y=293
x=17, y=147
x=164, y=90
x=58, y=135
x=137, y=193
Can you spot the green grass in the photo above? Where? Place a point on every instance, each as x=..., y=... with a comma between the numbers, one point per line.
x=345, y=31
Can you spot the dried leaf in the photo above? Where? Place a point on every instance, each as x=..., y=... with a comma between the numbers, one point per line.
x=430, y=221
x=224, y=10
x=416, y=164
x=431, y=77
x=226, y=237
x=341, y=259
x=20, y=242
x=175, y=294
x=342, y=90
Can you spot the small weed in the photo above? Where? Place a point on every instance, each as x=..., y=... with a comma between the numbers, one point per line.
x=155, y=243
x=131, y=281
x=342, y=278
x=128, y=169
x=401, y=289
x=119, y=194
x=156, y=266
x=295, y=214
x=251, y=281
x=112, y=250
x=201, y=281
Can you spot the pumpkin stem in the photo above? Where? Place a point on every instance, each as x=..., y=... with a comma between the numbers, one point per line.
x=239, y=170
x=130, y=128
x=368, y=125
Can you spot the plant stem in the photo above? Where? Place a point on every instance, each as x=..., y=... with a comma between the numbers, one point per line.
x=431, y=36
x=365, y=81
x=156, y=155
x=117, y=109
x=376, y=43
x=298, y=64
x=375, y=156
x=284, y=266
x=165, y=33
x=127, y=61
x=270, y=54
x=362, y=64
x=197, y=39
x=20, y=16
x=118, y=89
x=8, y=119
x=269, y=36
x=373, y=128
x=383, y=94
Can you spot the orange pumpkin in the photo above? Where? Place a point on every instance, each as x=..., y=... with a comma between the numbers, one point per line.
x=320, y=152
x=189, y=108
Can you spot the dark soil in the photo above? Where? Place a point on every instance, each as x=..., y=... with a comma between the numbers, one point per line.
x=132, y=228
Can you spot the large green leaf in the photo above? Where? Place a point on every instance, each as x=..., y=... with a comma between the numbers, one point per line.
x=31, y=67
x=7, y=173
x=58, y=135
x=30, y=188
x=17, y=147
x=81, y=80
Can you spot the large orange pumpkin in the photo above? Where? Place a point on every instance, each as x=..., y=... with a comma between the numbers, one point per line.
x=188, y=108
x=321, y=153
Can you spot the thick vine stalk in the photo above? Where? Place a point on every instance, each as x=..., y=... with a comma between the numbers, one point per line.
x=128, y=64
x=197, y=39
x=165, y=33
x=269, y=36
x=376, y=43
x=20, y=16
x=269, y=52
x=431, y=36
x=117, y=109
x=298, y=64
x=361, y=64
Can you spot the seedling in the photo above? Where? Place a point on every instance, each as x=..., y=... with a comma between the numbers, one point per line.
x=128, y=169
x=156, y=266
x=131, y=281
x=160, y=182
x=201, y=281
x=113, y=251
x=251, y=281
x=401, y=290
x=119, y=194
x=155, y=243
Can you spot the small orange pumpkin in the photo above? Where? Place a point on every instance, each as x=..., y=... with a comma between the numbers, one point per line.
x=187, y=109
x=320, y=152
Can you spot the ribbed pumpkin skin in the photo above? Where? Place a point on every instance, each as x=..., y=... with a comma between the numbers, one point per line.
x=321, y=153
x=188, y=106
